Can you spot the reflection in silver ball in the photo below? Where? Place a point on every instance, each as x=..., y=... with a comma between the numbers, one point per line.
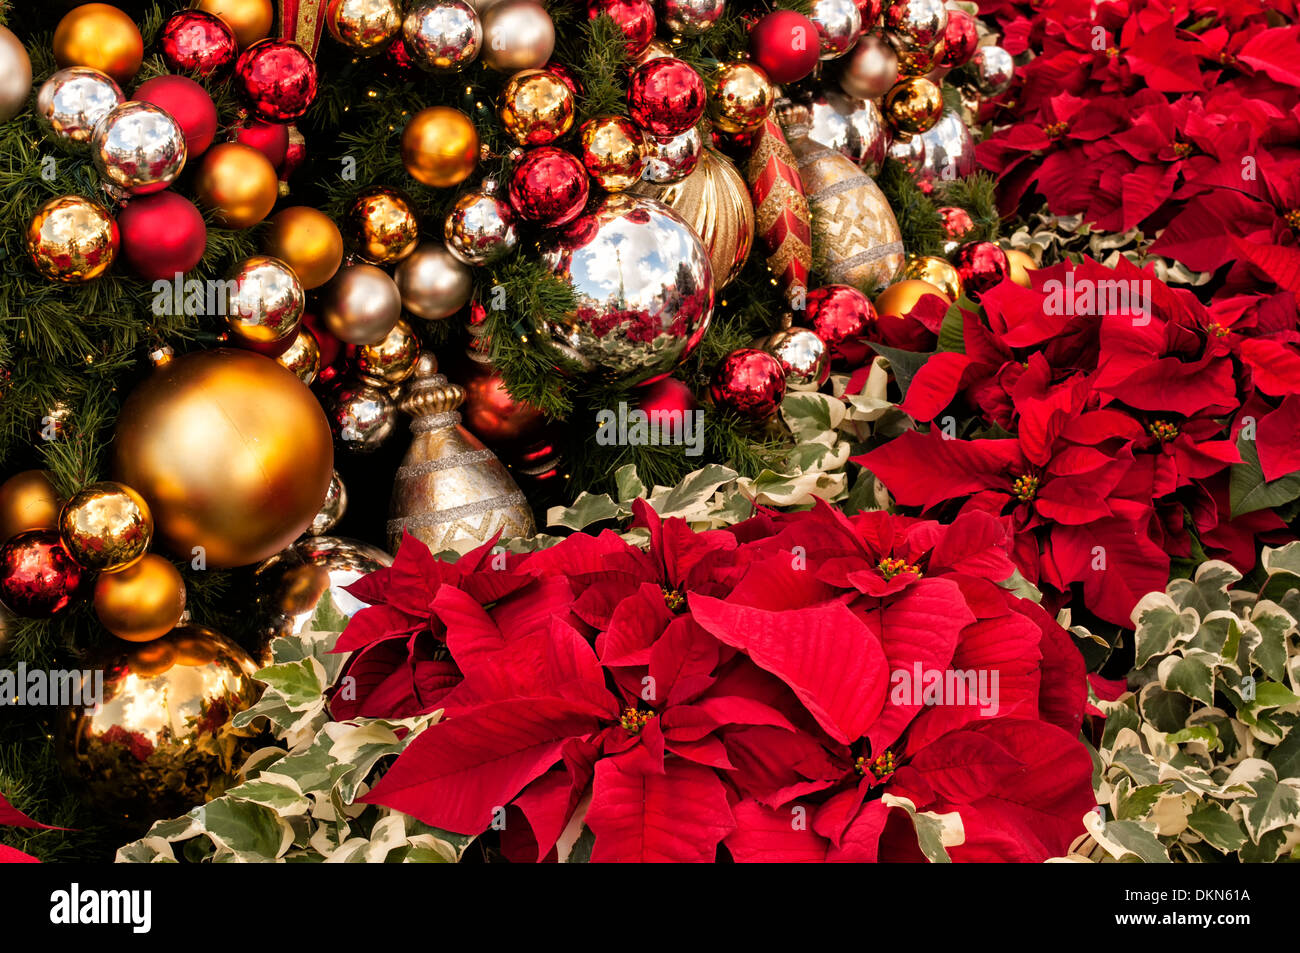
x=72, y=101
x=361, y=416
x=480, y=227
x=671, y=160
x=915, y=24
x=908, y=152
x=838, y=24
x=332, y=510
x=803, y=355
x=442, y=35
x=433, y=282
x=138, y=148
x=853, y=127
x=993, y=69
x=644, y=286
x=690, y=17
x=291, y=585
x=949, y=151
x=264, y=301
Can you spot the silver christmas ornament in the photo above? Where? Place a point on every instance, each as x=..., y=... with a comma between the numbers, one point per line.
x=332, y=510
x=993, y=69
x=138, y=149
x=803, y=356
x=671, y=160
x=853, y=127
x=915, y=24
x=690, y=17
x=909, y=152
x=442, y=35
x=948, y=151
x=838, y=24
x=72, y=101
x=480, y=227
x=361, y=416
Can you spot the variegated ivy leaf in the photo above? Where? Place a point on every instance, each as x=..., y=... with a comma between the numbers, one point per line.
x=1217, y=827
x=1275, y=804
x=1161, y=624
x=934, y=832
x=1126, y=841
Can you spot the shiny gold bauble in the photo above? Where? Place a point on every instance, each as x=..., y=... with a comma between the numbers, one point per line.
x=307, y=241
x=391, y=360
x=937, y=271
x=161, y=741
x=612, y=152
x=913, y=105
x=238, y=183
x=102, y=37
x=440, y=147
x=27, y=501
x=898, y=300
x=361, y=305
x=106, y=527
x=366, y=26
x=740, y=98
x=143, y=602
x=302, y=357
x=72, y=239
x=232, y=452
x=382, y=226
x=536, y=107
x=251, y=20
x=1021, y=265
x=714, y=200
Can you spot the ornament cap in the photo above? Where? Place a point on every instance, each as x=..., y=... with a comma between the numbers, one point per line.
x=430, y=393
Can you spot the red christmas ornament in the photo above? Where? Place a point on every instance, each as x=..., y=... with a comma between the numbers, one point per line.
x=786, y=45
x=38, y=578
x=277, y=79
x=549, y=186
x=750, y=382
x=189, y=104
x=669, y=398
x=665, y=96
x=294, y=154
x=397, y=60
x=960, y=38
x=957, y=223
x=565, y=76
x=333, y=354
x=636, y=18
x=982, y=265
x=269, y=138
x=489, y=411
x=162, y=235
x=838, y=314
x=196, y=42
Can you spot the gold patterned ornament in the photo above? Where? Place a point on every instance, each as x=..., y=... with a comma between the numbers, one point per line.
x=451, y=492
x=382, y=226
x=28, y=500
x=106, y=527
x=937, y=271
x=856, y=239
x=72, y=239
x=714, y=200
x=143, y=602
x=162, y=740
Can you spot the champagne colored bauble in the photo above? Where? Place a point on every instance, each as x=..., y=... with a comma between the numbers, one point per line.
x=231, y=451
x=106, y=527
x=332, y=510
x=740, y=98
x=138, y=148
x=364, y=26
x=102, y=37
x=72, y=239
x=937, y=272
x=196, y=42
x=142, y=602
x=838, y=24
x=870, y=70
x=948, y=151
x=644, y=289
x=852, y=127
x=15, y=75
x=517, y=34
x=162, y=235
x=804, y=358
x=915, y=24
x=28, y=501
x=361, y=305
x=714, y=201
x=391, y=360
x=433, y=283
x=161, y=742
x=264, y=301
x=613, y=152
x=480, y=228
x=72, y=102
x=536, y=107
x=238, y=183
x=440, y=147
x=362, y=415
x=302, y=357
x=307, y=241
x=1021, y=265
x=38, y=577
x=251, y=20
x=691, y=17
x=382, y=226
x=451, y=492
x=913, y=105
x=671, y=160
x=442, y=36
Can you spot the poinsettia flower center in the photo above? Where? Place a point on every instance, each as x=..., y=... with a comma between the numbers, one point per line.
x=1218, y=330
x=674, y=599
x=1054, y=129
x=882, y=766
x=633, y=720
x=1162, y=430
x=1181, y=149
x=1025, y=487
x=1293, y=218
x=891, y=566
x=1112, y=51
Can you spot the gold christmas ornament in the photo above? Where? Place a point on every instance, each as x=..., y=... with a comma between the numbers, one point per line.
x=440, y=147
x=1021, y=265
x=161, y=741
x=714, y=200
x=936, y=271
x=102, y=37
x=391, y=360
x=302, y=357
x=361, y=305
x=536, y=107
x=913, y=105
x=740, y=97
x=265, y=301
x=856, y=240
x=898, y=300
x=433, y=283
x=366, y=26
x=27, y=501
x=72, y=239
x=143, y=602
x=251, y=20
x=451, y=492
x=382, y=226
x=307, y=241
x=332, y=510
x=517, y=34
x=238, y=183
x=231, y=451
x=15, y=75
x=106, y=527
x=613, y=152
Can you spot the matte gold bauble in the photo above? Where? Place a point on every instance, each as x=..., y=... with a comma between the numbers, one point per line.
x=143, y=602
x=27, y=501
x=434, y=284
x=302, y=357
x=361, y=305
x=391, y=360
x=382, y=226
x=517, y=34
x=307, y=241
x=1021, y=265
x=238, y=183
x=440, y=147
x=249, y=20
x=106, y=527
x=231, y=451
x=102, y=37
x=72, y=239
x=898, y=300
x=937, y=271
x=161, y=741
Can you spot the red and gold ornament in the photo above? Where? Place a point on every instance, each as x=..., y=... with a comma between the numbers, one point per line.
x=548, y=186
x=189, y=104
x=196, y=42
x=785, y=43
x=636, y=18
x=781, y=211
x=982, y=266
x=38, y=577
x=666, y=97
x=750, y=382
x=277, y=78
x=162, y=235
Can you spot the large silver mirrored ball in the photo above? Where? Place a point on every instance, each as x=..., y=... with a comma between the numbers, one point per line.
x=72, y=101
x=442, y=35
x=138, y=148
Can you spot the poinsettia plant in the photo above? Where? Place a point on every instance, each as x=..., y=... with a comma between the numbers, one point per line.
x=803, y=686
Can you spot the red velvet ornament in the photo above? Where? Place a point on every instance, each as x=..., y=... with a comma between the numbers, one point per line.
x=668, y=395
x=189, y=104
x=786, y=45
x=957, y=223
x=162, y=235
x=636, y=18
x=269, y=138
x=38, y=578
x=838, y=314
x=277, y=79
x=750, y=382
x=982, y=266
x=196, y=42
x=960, y=38
x=549, y=186
x=665, y=96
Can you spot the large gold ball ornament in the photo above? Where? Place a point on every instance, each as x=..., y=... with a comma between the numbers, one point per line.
x=361, y=305
x=740, y=98
x=937, y=271
x=106, y=527
x=382, y=226
x=264, y=301
x=898, y=300
x=536, y=107
x=440, y=146
x=302, y=357
x=366, y=26
x=913, y=105
x=143, y=602
x=28, y=500
x=517, y=34
x=391, y=360
x=231, y=451
x=15, y=75
x=161, y=741
x=1021, y=265
x=433, y=283
x=102, y=37
x=72, y=239
x=238, y=183
x=307, y=241
x=249, y=20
